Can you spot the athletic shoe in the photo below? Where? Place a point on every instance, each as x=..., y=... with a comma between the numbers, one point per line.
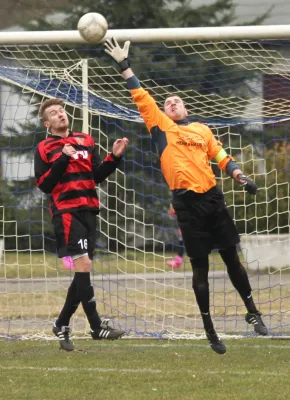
x=176, y=262
x=256, y=320
x=106, y=332
x=215, y=342
x=62, y=333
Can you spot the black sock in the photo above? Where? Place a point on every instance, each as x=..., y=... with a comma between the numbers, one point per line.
x=87, y=296
x=250, y=305
x=71, y=304
x=207, y=322
x=200, y=286
x=239, y=277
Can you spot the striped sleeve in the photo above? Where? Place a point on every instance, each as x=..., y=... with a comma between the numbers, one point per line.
x=47, y=174
x=102, y=169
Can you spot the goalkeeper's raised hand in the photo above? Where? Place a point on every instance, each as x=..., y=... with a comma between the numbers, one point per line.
x=250, y=186
x=118, y=54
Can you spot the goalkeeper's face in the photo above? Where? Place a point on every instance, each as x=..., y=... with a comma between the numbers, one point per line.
x=174, y=108
x=56, y=119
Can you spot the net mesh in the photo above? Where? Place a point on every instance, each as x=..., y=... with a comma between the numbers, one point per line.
x=240, y=89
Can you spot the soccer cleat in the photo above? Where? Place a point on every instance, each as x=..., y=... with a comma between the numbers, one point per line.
x=176, y=262
x=215, y=342
x=256, y=320
x=106, y=332
x=62, y=333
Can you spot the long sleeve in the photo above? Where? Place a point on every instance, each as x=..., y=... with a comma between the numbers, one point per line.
x=216, y=151
x=48, y=174
x=102, y=169
x=149, y=110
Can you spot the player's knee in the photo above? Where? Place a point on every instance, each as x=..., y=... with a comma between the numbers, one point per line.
x=200, y=274
x=230, y=257
x=83, y=264
x=200, y=286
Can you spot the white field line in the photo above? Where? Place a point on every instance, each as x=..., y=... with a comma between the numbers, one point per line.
x=140, y=371
x=90, y=369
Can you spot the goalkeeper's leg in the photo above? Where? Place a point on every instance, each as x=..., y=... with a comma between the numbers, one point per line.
x=200, y=285
x=239, y=278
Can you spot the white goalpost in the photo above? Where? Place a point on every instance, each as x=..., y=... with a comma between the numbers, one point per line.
x=236, y=80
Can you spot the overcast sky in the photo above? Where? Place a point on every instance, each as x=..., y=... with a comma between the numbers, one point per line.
x=13, y=11
x=249, y=9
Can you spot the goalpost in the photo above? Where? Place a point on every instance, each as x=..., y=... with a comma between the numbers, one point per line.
x=236, y=80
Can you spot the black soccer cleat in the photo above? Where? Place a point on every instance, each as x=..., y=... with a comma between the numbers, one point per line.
x=256, y=320
x=215, y=342
x=106, y=332
x=62, y=333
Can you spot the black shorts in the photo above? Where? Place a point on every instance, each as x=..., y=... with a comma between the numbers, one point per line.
x=205, y=222
x=75, y=233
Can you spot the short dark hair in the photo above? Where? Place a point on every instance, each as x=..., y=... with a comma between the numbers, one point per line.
x=47, y=103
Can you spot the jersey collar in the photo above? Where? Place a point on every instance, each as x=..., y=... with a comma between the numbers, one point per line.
x=182, y=122
x=70, y=134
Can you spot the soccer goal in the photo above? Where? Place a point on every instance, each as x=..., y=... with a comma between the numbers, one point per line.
x=236, y=80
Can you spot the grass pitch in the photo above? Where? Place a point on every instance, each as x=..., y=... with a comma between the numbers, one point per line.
x=252, y=369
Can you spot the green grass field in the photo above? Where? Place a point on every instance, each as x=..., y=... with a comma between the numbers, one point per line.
x=252, y=369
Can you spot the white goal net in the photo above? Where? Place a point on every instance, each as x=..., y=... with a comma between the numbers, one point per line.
x=241, y=90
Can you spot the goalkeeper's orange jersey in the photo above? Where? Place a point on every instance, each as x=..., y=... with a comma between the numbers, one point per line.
x=185, y=150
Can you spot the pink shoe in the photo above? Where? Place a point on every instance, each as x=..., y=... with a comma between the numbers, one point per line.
x=68, y=262
x=176, y=262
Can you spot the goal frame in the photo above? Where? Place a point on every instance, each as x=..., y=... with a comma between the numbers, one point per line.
x=151, y=35
x=144, y=36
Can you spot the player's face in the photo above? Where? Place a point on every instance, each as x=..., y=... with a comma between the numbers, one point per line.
x=174, y=108
x=56, y=119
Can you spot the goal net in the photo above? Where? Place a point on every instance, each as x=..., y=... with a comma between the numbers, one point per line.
x=241, y=90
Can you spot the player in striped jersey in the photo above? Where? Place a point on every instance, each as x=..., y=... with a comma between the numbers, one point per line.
x=67, y=167
x=185, y=149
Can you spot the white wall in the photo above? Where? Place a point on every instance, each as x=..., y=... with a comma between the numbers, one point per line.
x=13, y=110
x=265, y=251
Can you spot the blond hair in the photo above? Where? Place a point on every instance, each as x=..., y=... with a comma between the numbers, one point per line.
x=48, y=103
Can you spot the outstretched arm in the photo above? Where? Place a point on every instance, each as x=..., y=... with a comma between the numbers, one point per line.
x=147, y=106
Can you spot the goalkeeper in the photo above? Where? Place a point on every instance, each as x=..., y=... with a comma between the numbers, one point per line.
x=185, y=150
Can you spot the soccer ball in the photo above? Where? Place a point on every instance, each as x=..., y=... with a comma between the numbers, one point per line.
x=92, y=27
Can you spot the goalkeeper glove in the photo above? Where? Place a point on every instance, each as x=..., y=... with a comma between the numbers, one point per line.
x=250, y=186
x=118, y=54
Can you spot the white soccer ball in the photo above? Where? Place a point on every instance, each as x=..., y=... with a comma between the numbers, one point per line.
x=92, y=27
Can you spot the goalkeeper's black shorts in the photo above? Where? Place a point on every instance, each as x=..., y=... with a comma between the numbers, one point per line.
x=75, y=233
x=205, y=222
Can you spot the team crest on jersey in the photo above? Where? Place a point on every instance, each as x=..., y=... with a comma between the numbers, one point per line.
x=80, y=154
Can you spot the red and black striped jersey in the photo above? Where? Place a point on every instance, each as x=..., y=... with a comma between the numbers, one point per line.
x=71, y=181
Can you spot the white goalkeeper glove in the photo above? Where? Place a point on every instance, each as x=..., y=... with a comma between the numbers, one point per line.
x=118, y=54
